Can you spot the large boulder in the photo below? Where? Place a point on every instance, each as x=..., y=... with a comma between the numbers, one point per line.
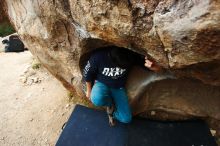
x=182, y=36
x=2, y=12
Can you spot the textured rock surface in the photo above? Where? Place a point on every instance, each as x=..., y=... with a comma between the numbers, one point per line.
x=180, y=35
x=2, y=12
x=152, y=94
x=1, y=16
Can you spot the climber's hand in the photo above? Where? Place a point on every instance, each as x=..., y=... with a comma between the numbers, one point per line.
x=151, y=65
x=148, y=63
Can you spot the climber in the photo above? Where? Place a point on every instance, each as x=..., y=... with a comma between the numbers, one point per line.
x=107, y=69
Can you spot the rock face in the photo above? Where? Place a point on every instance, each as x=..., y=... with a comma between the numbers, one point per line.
x=180, y=35
x=2, y=16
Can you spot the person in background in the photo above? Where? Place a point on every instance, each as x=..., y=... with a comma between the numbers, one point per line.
x=106, y=73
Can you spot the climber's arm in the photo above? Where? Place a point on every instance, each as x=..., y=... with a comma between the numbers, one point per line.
x=90, y=72
x=152, y=65
x=88, y=89
x=145, y=62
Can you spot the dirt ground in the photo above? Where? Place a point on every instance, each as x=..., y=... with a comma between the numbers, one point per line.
x=33, y=104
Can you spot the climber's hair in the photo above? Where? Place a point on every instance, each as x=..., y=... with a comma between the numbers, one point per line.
x=121, y=57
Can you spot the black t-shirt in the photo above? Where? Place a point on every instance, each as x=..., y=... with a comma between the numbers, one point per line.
x=100, y=67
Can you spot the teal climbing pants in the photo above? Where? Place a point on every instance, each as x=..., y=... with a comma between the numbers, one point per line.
x=103, y=95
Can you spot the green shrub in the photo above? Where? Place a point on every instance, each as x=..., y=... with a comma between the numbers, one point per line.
x=36, y=66
x=6, y=29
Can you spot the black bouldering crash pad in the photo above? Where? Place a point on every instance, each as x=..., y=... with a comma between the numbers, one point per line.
x=89, y=127
x=14, y=44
